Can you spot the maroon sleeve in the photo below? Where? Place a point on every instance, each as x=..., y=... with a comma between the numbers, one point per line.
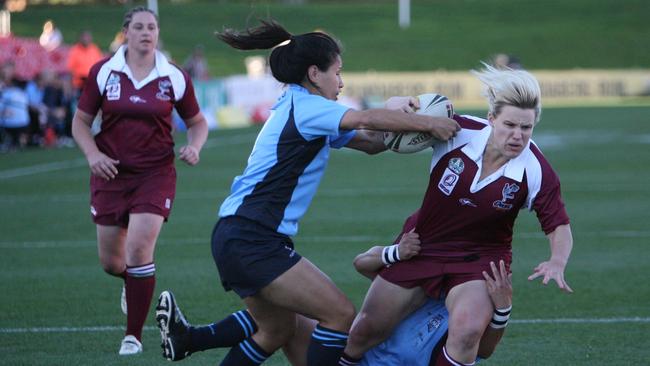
x=187, y=106
x=91, y=97
x=548, y=204
x=467, y=123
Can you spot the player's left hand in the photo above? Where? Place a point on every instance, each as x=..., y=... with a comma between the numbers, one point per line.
x=499, y=285
x=189, y=154
x=551, y=270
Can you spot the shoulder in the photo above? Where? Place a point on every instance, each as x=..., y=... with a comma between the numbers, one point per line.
x=468, y=122
x=178, y=71
x=99, y=64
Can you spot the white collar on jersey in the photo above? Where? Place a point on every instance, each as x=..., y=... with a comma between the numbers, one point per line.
x=514, y=169
x=161, y=68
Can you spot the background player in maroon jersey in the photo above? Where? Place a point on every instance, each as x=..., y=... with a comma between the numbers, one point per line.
x=478, y=182
x=131, y=158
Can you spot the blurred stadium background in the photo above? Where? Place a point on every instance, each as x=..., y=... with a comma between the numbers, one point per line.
x=592, y=58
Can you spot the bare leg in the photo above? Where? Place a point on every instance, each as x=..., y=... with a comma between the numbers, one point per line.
x=470, y=310
x=385, y=305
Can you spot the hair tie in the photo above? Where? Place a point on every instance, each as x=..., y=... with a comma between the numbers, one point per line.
x=284, y=43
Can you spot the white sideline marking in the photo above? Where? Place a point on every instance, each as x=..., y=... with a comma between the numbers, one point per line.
x=42, y=168
x=115, y=328
x=319, y=239
x=76, y=163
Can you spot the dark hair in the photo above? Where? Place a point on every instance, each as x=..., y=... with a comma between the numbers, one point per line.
x=291, y=55
x=138, y=9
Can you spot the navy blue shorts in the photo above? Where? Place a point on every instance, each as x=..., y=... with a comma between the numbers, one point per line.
x=248, y=255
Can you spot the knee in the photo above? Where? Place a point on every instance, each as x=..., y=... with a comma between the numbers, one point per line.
x=466, y=331
x=341, y=316
x=114, y=267
x=366, y=331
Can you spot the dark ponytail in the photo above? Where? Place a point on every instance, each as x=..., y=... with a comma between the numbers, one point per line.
x=292, y=55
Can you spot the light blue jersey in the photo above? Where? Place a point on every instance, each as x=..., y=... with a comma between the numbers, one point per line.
x=414, y=338
x=288, y=161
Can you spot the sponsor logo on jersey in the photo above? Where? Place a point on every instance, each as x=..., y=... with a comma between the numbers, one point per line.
x=448, y=182
x=168, y=203
x=456, y=165
x=164, y=87
x=466, y=202
x=93, y=211
x=507, y=193
x=434, y=323
x=113, y=88
x=136, y=99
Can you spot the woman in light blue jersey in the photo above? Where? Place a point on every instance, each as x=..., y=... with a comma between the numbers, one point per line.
x=251, y=243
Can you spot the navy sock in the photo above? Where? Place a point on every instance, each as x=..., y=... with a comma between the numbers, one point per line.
x=326, y=347
x=247, y=353
x=227, y=333
x=349, y=361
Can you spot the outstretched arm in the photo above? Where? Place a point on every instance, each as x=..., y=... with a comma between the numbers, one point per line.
x=372, y=142
x=561, y=242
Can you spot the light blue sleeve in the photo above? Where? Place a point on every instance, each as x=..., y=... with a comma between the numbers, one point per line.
x=316, y=116
x=337, y=142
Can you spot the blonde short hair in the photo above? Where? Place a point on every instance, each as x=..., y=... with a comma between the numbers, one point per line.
x=505, y=86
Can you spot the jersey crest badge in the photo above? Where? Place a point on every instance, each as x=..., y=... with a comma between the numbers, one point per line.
x=448, y=182
x=506, y=194
x=164, y=87
x=113, y=88
x=456, y=165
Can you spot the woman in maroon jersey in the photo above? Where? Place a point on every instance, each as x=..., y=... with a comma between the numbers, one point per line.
x=479, y=180
x=131, y=157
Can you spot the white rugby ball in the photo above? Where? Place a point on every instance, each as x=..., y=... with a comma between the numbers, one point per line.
x=431, y=104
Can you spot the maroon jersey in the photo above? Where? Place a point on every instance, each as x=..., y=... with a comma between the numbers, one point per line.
x=136, y=116
x=460, y=214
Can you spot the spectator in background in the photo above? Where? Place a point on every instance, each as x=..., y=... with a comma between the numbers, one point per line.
x=14, y=115
x=51, y=38
x=37, y=109
x=83, y=55
x=57, y=98
x=502, y=60
x=196, y=65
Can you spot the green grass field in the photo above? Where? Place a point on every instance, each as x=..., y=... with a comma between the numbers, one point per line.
x=59, y=308
x=444, y=34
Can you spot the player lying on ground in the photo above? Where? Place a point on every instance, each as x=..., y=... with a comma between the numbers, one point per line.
x=413, y=342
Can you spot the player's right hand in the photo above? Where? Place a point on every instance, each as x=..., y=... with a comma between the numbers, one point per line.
x=443, y=128
x=103, y=166
x=409, y=245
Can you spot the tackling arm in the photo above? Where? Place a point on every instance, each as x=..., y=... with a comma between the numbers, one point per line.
x=369, y=263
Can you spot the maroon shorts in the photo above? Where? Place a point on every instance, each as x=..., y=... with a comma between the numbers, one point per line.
x=438, y=275
x=112, y=201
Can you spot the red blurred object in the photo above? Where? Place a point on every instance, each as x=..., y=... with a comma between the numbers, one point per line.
x=49, y=138
x=261, y=112
x=31, y=58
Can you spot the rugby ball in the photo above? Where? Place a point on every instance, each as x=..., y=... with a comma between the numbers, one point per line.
x=431, y=104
